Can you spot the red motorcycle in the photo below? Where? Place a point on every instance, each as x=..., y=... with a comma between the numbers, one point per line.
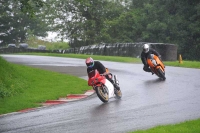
x=103, y=87
x=156, y=66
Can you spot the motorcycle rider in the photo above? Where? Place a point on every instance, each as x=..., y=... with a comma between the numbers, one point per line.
x=145, y=52
x=92, y=65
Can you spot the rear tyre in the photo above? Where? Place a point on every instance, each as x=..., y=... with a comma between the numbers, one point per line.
x=102, y=93
x=161, y=74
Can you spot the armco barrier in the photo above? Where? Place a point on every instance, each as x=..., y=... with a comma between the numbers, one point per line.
x=168, y=51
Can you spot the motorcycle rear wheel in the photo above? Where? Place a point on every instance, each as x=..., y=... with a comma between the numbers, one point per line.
x=102, y=93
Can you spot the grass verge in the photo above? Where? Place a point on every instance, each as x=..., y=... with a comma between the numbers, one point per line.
x=187, y=64
x=192, y=126
x=25, y=87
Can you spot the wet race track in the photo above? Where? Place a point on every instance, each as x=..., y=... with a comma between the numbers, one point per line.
x=146, y=102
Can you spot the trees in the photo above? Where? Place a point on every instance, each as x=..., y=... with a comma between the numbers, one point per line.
x=189, y=27
x=15, y=24
x=29, y=6
x=86, y=22
x=170, y=21
x=83, y=22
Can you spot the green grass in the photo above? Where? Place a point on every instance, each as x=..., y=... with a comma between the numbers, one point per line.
x=12, y=81
x=25, y=87
x=192, y=126
x=188, y=64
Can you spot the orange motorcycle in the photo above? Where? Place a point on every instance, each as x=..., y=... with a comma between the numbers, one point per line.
x=156, y=65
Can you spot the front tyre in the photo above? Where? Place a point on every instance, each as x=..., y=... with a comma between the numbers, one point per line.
x=161, y=74
x=102, y=93
x=118, y=94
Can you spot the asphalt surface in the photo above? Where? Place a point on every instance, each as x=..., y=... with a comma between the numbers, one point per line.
x=147, y=101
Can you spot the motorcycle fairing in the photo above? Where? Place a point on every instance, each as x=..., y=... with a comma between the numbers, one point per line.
x=95, y=78
x=155, y=63
x=110, y=87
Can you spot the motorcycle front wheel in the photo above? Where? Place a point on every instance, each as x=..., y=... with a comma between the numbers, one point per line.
x=161, y=74
x=118, y=94
x=102, y=93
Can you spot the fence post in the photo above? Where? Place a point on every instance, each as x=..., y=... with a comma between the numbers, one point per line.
x=180, y=59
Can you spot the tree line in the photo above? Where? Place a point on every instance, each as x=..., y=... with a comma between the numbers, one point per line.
x=87, y=22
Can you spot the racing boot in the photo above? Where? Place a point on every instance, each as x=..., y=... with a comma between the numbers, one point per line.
x=114, y=84
x=116, y=87
x=151, y=71
x=117, y=91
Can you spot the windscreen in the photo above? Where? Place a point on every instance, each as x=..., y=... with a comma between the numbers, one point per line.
x=91, y=74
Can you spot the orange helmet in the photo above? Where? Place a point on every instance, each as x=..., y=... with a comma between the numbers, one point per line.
x=89, y=62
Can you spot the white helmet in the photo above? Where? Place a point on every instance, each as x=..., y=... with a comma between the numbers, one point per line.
x=145, y=48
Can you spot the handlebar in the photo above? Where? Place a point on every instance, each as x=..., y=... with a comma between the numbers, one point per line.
x=105, y=74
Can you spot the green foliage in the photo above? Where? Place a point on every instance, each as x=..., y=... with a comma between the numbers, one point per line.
x=107, y=21
x=188, y=64
x=28, y=6
x=12, y=82
x=87, y=20
x=15, y=25
x=30, y=86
